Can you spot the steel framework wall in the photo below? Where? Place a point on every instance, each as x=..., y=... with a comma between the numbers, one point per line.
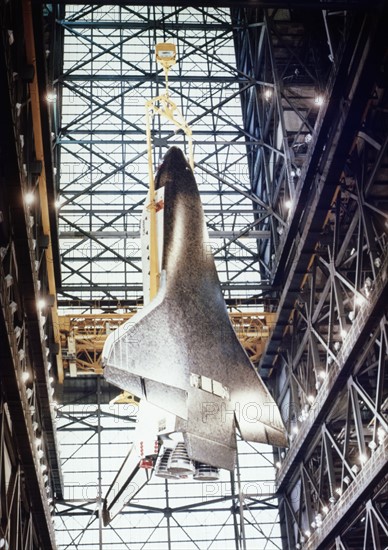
x=30, y=474
x=329, y=347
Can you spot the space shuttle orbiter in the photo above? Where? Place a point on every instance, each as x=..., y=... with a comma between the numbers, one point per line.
x=180, y=353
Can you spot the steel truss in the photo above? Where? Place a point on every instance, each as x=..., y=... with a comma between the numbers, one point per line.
x=281, y=51
x=329, y=253
x=30, y=475
x=18, y=528
x=109, y=71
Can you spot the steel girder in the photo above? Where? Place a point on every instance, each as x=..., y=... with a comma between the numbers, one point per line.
x=282, y=52
x=18, y=527
x=329, y=348
x=335, y=129
x=30, y=470
x=275, y=4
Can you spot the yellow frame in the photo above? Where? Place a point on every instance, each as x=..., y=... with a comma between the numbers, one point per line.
x=163, y=106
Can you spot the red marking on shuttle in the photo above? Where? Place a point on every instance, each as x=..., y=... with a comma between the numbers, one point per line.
x=159, y=205
x=146, y=463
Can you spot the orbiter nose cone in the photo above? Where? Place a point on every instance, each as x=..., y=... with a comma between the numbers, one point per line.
x=174, y=154
x=174, y=165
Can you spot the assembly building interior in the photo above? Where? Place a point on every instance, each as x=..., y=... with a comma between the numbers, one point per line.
x=287, y=101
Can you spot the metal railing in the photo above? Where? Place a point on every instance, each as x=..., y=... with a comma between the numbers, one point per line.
x=376, y=463
x=335, y=370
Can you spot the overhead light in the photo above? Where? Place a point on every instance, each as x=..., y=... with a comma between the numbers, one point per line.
x=268, y=94
x=344, y=333
x=368, y=283
x=355, y=469
x=25, y=376
x=347, y=480
x=40, y=453
x=38, y=442
x=360, y=300
x=29, y=393
x=363, y=458
x=338, y=491
x=372, y=445
x=51, y=97
x=325, y=509
x=311, y=399
x=29, y=198
x=288, y=204
x=381, y=434
x=43, y=468
x=318, y=99
x=322, y=374
x=41, y=303
x=278, y=465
